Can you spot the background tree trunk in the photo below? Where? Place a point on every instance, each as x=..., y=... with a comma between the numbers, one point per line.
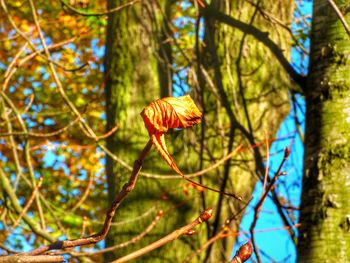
x=239, y=67
x=131, y=83
x=241, y=104
x=138, y=71
x=325, y=220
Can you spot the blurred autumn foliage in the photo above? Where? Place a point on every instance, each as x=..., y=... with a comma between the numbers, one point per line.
x=41, y=137
x=76, y=162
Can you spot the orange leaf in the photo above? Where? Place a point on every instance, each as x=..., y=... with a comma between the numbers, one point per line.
x=161, y=115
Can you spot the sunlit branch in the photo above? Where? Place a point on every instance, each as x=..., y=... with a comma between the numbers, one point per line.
x=273, y=19
x=7, y=188
x=40, y=135
x=93, y=239
x=205, y=215
x=26, y=207
x=122, y=245
x=110, y=11
x=340, y=16
x=258, y=206
x=31, y=259
x=86, y=192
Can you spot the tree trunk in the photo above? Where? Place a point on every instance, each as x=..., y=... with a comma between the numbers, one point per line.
x=138, y=71
x=325, y=219
x=131, y=83
x=246, y=104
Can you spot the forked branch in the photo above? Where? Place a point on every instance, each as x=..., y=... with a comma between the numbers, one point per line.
x=127, y=188
x=263, y=37
x=204, y=216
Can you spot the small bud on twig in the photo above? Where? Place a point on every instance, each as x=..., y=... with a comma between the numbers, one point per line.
x=282, y=173
x=243, y=253
x=205, y=215
x=286, y=152
x=191, y=232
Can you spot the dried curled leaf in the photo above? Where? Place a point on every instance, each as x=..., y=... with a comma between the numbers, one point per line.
x=161, y=115
x=171, y=112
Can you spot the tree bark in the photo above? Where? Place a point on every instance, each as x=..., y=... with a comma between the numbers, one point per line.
x=248, y=102
x=325, y=220
x=130, y=84
x=138, y=71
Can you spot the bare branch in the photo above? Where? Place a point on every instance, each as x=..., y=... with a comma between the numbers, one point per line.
x=111, y=11
x=26, y=207
x=259, y=35
x=31, y=259
x=6, y=187
x=127, y=188
x=340, y=16
x=122, y=245
x=204, y=216
x=258, y=206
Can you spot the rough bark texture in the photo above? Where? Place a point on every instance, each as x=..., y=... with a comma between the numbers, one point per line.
x=248, y=92
x=238, y=65
x=325, y=209
x=131, y=83
x=137, y=69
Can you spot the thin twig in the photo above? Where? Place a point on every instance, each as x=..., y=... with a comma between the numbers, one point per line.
x=7, y=188
x=27, y=154
x=340, y=16
x=14, y=61
x=273, y=19
x=26, y=207
x=86, y=192
x=83, y=227
x=113, y=10
x=267, y=167
x=122, y=245
x=31, y=259
x=174, y=176
x=127, y=188
x=205, y=216
x=224, y=232
x=8, y=250
x=32, y=46
x=11, y=70
x=107, y=134
x=261, y=36
x=258, y=206
x=40, y=135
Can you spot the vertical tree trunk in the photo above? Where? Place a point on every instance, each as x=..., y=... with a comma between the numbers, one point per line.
x=165, y=72
x=325, y=209
x=137, y=70
x=240, y=68
x=131, y=83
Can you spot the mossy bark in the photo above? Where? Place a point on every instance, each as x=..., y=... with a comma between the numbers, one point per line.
x=131, y=83
x=136, y=56
x=325, y=209
x=248, y=91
